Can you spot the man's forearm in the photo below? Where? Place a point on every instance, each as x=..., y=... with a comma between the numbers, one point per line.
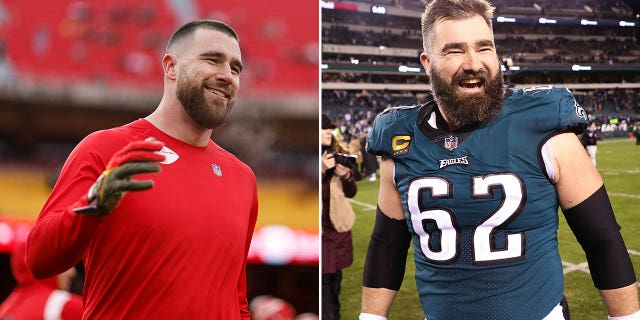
x=622, y=301
x=377, y=300
x=57, y=241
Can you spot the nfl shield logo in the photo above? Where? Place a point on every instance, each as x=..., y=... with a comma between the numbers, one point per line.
x=216, y=170
x=451, y=143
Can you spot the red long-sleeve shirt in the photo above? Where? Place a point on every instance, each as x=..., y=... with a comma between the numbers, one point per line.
x=176, y=251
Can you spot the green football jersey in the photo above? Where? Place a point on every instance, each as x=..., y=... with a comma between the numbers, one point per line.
x=480, y=206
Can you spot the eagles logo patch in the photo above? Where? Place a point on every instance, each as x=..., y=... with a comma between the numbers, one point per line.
x=580, y=111
x=400, y=145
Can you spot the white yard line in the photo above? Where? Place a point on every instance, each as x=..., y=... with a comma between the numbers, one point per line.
x=619, y=172
x=617, y=140
x=363, y=204
x=625, y=195
x=568, y=267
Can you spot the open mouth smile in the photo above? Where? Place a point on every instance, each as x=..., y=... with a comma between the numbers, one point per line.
x=218, y=92
x=474, y=83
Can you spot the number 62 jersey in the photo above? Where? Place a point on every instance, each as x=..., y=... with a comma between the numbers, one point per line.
x=480, y=206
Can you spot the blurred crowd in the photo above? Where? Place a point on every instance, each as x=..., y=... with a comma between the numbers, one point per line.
x=616, y=112
x=363, y=105
x=604, y=103
x=597, y=8
x=523, y=42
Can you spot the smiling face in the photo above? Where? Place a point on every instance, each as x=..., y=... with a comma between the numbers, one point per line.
x=464, y=70
x=208, y=76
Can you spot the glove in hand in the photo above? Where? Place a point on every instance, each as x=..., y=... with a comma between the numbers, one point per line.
x=135, y=158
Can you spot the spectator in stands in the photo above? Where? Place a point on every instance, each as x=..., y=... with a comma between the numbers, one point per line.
x=636, y=133
x=39, y=299
x=590, y=141
x=475, y=178
x=338, y=183
x=178, y=249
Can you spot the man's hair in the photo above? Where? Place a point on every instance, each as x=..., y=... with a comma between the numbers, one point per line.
x=452, y=10
x=189, y=28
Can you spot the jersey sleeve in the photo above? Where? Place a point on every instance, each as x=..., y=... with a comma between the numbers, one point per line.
x=548, y=110
x=59, y=237
x=572, y=115
x=242, y=282
x=374, y=139
x=389, y=125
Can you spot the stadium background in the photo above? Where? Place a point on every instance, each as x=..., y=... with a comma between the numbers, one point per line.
x=370, y=54
x=70, y=67
x=370, y=61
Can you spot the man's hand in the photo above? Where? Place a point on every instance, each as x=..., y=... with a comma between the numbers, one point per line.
x=135, y=158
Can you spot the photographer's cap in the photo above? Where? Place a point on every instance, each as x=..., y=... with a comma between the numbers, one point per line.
x=326, y=122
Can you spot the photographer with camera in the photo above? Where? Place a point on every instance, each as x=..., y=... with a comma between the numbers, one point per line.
x=338, y=184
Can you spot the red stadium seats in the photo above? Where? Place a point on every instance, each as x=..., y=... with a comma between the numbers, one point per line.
x=119, y=43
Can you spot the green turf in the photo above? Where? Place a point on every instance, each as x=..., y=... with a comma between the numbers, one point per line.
x=619, y=165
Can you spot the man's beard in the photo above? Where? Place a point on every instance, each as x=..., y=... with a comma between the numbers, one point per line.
x=462, y=110
x=207, y=114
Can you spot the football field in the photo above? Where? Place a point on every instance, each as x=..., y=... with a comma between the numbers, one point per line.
x=619, y=166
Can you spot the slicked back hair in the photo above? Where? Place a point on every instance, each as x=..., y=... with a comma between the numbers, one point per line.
x=189, y=29
x=452, y=10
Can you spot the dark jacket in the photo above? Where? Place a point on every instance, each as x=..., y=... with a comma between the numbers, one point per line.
x=590, y=137
x=337, y=247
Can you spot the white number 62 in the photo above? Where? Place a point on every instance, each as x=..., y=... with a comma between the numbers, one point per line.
x=484, y=248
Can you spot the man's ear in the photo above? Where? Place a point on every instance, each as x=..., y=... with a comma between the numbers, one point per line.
x=169, y=66
x=424, y=60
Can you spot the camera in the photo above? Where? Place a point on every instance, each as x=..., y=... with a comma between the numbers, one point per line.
x=347, y=160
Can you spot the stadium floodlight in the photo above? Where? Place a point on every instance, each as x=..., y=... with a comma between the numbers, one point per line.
x=586, y=22
x=382, y=47
x=577, y=67
x=338, y=5
x=505, y=19
x=378, y=9
x=408, y=69
x=626, y=24
x=324, y=66
x=355, y=61
x=327, y=4
x=514, y=68
x=545, y=21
